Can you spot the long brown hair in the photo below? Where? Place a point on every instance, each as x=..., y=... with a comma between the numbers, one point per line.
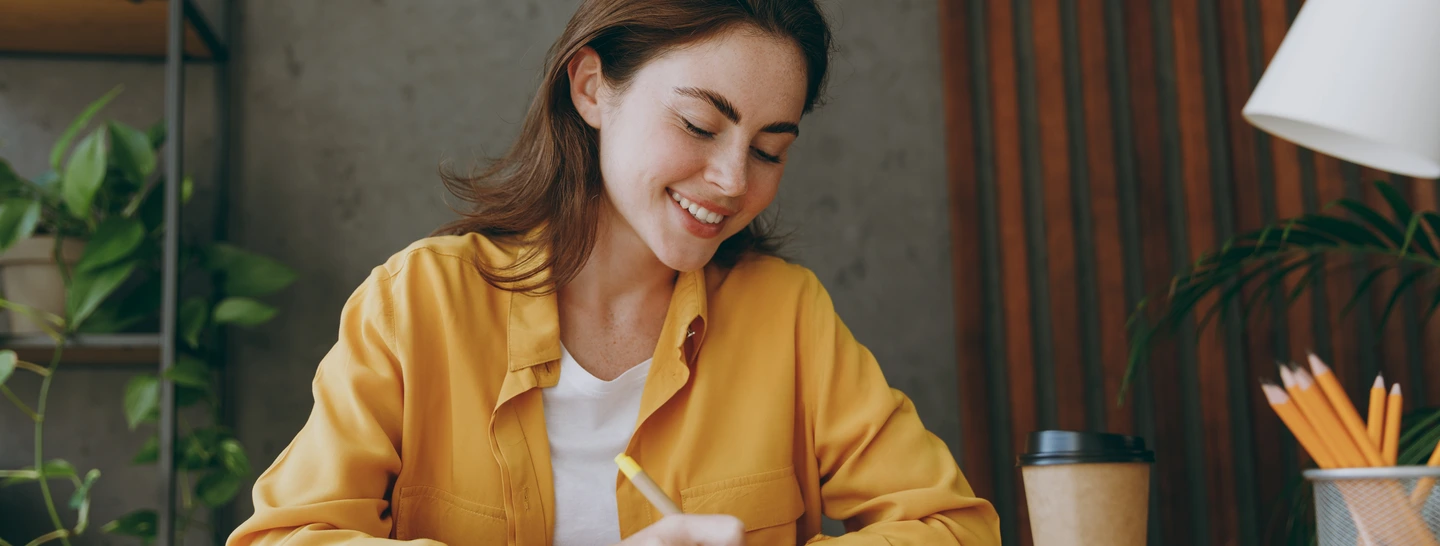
x=550, y=177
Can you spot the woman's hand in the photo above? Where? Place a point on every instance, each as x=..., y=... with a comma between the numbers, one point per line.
x=691, y=530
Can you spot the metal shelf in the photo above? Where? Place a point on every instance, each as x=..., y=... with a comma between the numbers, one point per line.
x=118, y=351
x=120, y=29
x=172, y=32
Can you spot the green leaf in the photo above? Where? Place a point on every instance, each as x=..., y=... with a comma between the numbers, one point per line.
x=243, y=312
x=156, y=134
x=115, y=239
x=144, y=300
x=131, y=151
x=118, y=314
x=57, y=468
x=1400, y=290
x=82, y=520
x=9, y=181
x=8, y=358
x=187, y=189
x=1361, y=288
x=232, y=457
x=217, y=488
x=189, y=396
x=89, y=288
x=197, y=450
x=82, y=493
x=140, y=523
x=1378, y=221
x=108, y=319
x=142, y=398
x=1340, y=229
x=1430, y=311
x=193, y=314
x=1403, y=214
x=84, y=173
x=149, y=453
x=1395, y=200
x=1415, y=424
x=62, y=145
x=189, y=371
x=247, y=274
x=18, y=218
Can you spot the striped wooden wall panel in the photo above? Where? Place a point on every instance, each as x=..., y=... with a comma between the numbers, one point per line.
x=1095, y=148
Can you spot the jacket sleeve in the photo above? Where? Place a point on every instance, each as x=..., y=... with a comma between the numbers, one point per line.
x=332, y=484
x=886, y=477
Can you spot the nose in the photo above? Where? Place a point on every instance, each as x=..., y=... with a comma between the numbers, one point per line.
x=728, y=172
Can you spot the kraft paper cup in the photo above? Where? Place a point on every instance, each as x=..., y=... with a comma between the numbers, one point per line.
x=1087, y=488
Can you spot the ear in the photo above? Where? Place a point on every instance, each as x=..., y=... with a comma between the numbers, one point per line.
x=585, y=83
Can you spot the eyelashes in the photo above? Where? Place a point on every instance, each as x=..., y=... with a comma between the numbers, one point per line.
x=701, y=133
x=696, y=130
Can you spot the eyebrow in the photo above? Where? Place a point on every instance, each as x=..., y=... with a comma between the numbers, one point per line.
x=728, y=110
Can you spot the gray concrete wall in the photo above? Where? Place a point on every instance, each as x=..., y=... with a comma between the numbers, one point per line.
x=345, y=108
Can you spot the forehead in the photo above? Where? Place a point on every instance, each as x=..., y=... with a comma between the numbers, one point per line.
x=763, y=75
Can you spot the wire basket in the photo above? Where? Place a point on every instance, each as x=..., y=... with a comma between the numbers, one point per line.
x=1377, y=506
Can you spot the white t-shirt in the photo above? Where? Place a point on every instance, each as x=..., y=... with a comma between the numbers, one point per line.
x=589, y=422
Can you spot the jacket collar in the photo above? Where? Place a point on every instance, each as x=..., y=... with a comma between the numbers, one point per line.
x=533, y=329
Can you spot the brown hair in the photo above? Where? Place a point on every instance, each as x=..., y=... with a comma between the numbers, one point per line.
x=550, y=177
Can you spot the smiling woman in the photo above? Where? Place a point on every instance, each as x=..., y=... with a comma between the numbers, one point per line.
x=608, y=292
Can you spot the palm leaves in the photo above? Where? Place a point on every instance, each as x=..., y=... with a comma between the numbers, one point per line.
x=1282, y=260
x=1279, y=264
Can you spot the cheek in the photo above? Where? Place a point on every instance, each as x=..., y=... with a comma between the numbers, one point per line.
x=761, y=191
x=649, y=156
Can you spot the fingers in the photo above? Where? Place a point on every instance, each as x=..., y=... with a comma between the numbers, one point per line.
x=691, y=530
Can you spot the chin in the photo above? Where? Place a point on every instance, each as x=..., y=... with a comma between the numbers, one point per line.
x=681, y=258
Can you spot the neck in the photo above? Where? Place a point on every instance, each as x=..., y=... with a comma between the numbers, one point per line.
x=621, y=270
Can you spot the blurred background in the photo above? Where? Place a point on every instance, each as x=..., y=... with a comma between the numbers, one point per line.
x=992, y=188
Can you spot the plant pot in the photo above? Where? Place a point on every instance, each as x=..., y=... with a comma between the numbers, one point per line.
x=29, y=276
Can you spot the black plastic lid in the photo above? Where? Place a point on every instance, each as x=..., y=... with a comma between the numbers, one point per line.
x=1047, y=447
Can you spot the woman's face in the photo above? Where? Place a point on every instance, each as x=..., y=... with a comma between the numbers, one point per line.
x=693, y=149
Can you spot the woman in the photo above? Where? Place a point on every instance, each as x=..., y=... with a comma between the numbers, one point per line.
x=608, y=291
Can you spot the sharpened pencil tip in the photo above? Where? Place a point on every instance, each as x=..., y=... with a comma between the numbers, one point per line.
x=1379, y=382
x=1317, y=365
x=1275, y=395
x=1395, y=390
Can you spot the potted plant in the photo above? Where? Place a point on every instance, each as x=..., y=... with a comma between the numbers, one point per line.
x=1252, y=269
x=101, y=211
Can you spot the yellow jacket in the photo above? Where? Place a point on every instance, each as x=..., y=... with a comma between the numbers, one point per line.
x=428, y=423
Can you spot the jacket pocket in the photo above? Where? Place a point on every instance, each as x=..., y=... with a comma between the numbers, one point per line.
x=761, y=501
x=428, y=512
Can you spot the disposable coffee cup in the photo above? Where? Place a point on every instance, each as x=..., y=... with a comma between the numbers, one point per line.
x=1087, y=488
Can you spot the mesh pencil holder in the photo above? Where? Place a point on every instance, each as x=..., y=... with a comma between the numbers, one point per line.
x=1377, y=506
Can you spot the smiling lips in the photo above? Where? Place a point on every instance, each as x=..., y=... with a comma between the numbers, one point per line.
x=704, y=215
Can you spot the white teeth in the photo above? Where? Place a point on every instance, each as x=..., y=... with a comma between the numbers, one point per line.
x=700, y=213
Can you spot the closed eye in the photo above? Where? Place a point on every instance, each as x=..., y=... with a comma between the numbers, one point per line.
x=696, y=130
x=766, y=157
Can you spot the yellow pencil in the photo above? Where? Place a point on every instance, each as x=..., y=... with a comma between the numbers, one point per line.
x=1392, y=425
x=1345, y=411
x=647, y=486
x=1375, y=420
x=1422, y=487
x=1304, y=434
x=1318, y=412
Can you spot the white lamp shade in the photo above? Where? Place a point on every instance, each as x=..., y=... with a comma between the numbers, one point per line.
x=1358, y=80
